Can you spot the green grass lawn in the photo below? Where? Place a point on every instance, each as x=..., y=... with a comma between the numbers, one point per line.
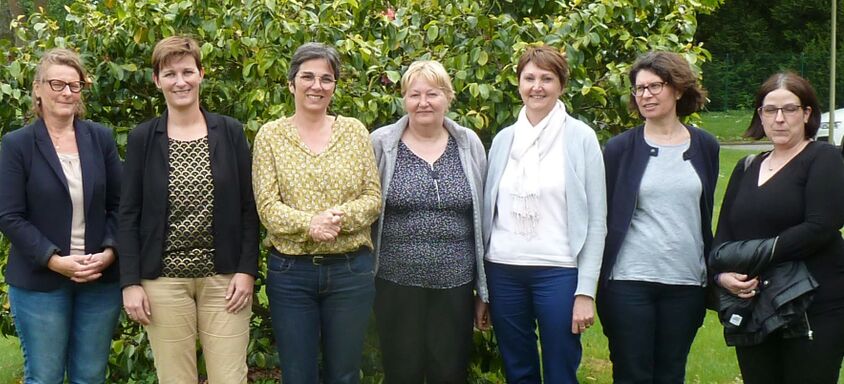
x=727, y=126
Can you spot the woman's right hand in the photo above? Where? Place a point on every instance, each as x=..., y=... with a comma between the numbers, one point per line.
x=325, y=226
x=136, y=304
x=738, y=284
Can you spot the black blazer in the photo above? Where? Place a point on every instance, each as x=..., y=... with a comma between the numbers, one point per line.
x=144, y=201
x=35, y=206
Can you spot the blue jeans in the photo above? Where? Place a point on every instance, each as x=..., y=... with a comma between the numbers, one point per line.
x=67, y=330
x=650, y=328
x=323, y=303
x=521, y=297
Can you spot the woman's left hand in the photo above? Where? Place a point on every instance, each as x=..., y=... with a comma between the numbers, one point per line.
x=482, y=322
x=583, y=314
x=239, y=293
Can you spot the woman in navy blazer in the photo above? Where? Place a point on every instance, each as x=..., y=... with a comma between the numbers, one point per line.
x=189, y=228
x=58, y=206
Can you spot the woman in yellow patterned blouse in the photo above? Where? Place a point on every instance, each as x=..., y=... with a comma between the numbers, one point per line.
x=317, y=191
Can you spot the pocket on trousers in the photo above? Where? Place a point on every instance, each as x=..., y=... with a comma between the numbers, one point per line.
x=280, y=264
x=363, y=264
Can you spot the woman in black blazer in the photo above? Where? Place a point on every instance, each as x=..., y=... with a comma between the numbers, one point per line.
x=188, y=227
x=58, y=205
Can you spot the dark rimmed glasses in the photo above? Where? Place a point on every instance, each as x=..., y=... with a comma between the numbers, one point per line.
x=772, y=111
x=653, y=88
x=59, y=85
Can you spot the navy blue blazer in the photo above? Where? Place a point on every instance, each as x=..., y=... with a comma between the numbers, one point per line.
x=625, y=157
x=144, y=202
x=35, y=205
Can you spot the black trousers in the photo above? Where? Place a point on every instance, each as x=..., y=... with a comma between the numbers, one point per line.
x=425, y=334
x=797, y=360
x=650, y=328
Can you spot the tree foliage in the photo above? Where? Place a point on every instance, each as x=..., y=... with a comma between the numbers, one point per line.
x=247, y=44
x=752, y=39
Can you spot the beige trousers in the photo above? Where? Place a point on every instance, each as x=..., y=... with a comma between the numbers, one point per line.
x=181, y=307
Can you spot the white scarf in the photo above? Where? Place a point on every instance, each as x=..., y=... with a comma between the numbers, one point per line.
x=530, y=144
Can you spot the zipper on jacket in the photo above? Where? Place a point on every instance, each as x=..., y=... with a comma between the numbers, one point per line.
x=809, y=333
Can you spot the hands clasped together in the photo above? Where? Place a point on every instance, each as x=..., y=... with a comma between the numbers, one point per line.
x=326, y=225
x=82, y=268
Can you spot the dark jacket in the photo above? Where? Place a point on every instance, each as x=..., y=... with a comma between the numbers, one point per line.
x=785, y=291
x=625, y=158
x=35, y=205
x=144, y=202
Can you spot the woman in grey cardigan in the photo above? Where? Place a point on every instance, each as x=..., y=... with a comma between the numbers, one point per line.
x=428, y=239
x=544, y=227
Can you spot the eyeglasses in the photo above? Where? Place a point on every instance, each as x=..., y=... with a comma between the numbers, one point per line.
x=308, y=79
x=59, y=85
x=653, y=88
x=772, y=111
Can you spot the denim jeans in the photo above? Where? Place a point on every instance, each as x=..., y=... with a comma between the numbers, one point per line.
x=522, y=297
x=67, y=330
x=320, y=303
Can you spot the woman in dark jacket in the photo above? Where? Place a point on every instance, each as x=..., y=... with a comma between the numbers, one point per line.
x=58, y=205
x=660, y=184
x=188, y=227
x=791, y=193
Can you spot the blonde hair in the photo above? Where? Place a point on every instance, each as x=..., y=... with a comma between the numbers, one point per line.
x=58, y=56
x=175, y=47
x=433, y=72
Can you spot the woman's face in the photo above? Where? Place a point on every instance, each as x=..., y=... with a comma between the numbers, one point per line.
x=540, y=89
x=784, y=122
x=62, y=103
x=425, y=103
x=179, y=80
x=655, y=103
x=313, y=86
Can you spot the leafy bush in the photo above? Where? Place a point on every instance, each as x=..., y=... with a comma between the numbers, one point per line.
x=246, y=46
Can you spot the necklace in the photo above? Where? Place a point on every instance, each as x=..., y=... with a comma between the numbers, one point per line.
x=58, y=138
x=770, y=159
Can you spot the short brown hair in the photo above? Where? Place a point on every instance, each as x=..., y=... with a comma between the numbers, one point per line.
x=795, y=84
x=675, y=70
x=547, y=58
x=58, y=56
x=314, y=51
x=175, y=47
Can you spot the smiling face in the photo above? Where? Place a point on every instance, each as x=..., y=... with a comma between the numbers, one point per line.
x=425, y=103
x=661, y=106
x=311, y=88
x=59, y=104
x=781, y=127
x=179, y=80
x=540, y=89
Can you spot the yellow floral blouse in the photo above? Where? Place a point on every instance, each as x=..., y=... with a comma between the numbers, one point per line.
x=292, y=184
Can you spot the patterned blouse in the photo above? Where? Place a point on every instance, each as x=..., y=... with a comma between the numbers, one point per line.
x=428, y=236
x=189, y=247
x=292, y=184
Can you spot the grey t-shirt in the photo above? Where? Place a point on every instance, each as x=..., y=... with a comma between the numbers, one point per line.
x=664, y=243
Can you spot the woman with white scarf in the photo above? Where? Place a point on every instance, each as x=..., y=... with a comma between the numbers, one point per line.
x=544, y=226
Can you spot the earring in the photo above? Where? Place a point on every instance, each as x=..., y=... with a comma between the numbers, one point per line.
x=38, y=101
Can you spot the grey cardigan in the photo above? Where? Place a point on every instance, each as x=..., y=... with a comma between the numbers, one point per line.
x=385, y=141
x=586, y=197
